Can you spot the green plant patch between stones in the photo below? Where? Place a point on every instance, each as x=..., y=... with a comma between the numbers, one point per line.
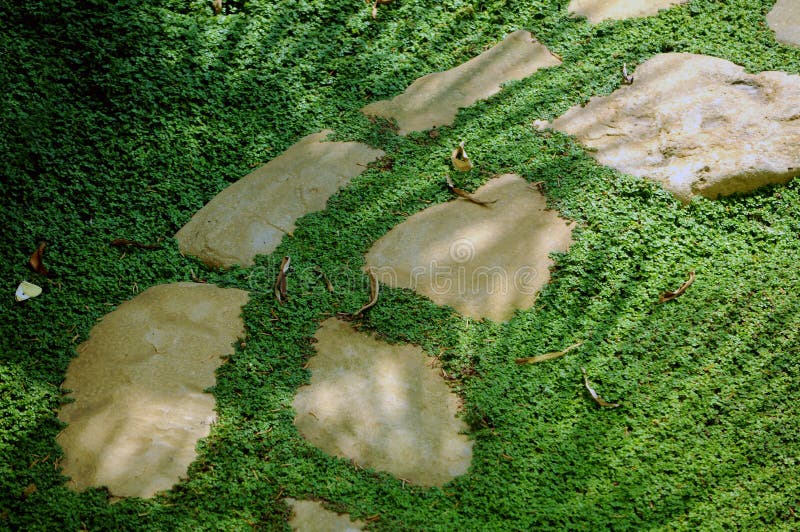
x=123, y=119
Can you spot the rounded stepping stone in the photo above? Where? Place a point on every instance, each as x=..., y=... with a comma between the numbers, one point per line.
x=434, y=99
x=784, y=20
x=696, y=124
x=138, y=384
x=486, y=261
x=599, y=10
x=311, y=516
x=251, y=216
x=383, y=406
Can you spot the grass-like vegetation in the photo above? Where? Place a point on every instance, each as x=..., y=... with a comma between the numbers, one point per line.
x=121, y=119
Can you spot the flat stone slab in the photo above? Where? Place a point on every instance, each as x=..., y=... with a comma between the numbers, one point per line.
x=599, y=10
x=251, y=216
x=485, y=261
x=697, y=124
x=138, y=384
x=434, y=99
x=784, y=20
x=383, y=406
x=311, y=516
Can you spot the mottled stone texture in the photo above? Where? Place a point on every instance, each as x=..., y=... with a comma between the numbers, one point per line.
x=600, y=10
x=434, y=99
x=697, y=124
x=251, y=216
x=784, y=19
x=138, y=384
x=382, y=406
x=311, y=516
x=485, y=261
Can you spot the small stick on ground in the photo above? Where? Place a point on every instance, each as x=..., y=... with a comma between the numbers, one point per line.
x=669, y=296
x=280, y=282
x=548, y=356
x=122, y=242
x=597, y=399
x=466, y=195
x=374, y=289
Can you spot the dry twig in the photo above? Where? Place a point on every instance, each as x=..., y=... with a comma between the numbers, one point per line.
x=466, y=195
x=548, y=356
x=597, y=399
x=280, y=282
x=669, y=295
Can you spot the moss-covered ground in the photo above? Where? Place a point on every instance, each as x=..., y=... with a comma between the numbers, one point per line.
x=121, y=119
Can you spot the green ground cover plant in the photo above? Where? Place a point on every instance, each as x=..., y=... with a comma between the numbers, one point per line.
x=122, y=119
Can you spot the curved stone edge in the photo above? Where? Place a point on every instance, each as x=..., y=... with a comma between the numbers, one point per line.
x=312, y=516
x=434, y=99
x=383, y=406
x=597, y=11
x=784, y=20
x=251, y=216
x=138, y=385
x=650, y=129
x=485, y=261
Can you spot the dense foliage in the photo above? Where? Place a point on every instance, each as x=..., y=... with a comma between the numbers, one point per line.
x=121, y=119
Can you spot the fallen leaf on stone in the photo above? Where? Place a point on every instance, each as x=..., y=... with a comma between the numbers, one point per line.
x=37, y=262
x=466, y=195
x=597, y=399
x=122, y=242
x=669, y=295
x=27, y=290
x=280, y=282
x=548, y=356
x=460, y=159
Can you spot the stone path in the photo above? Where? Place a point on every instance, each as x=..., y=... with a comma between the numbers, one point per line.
x=382, y=406
x=486, y=261
x=599, y=10
x=138, y=384
x=784, y=19
x=311, y=516
x=697, y=124
x=434, y=100
x=139, y=381
x=251, y=216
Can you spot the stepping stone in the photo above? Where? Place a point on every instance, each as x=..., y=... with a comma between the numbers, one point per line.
x=138, y=384
x=784, y=20
x=434, y=100
x=383, y=406
x=696, y=124
x=599, y=10
x=311, y=516
x=485, y=261
x=251, y=216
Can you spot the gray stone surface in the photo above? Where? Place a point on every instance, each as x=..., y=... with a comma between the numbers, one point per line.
x=138, y=384
x=383, y=406
x=485, y=261
x=784, y=19
x=251, y=216
x=311, y=516
x=697, y=124
x=434, y=99
x=599, y=10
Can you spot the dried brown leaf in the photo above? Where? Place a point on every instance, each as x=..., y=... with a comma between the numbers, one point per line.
x=548, y=356
x=597, y=399
x=280, y=283
x=374, y=289
x=466, y=195
x=37, y=260
x=669, y=295
x=123, y=242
